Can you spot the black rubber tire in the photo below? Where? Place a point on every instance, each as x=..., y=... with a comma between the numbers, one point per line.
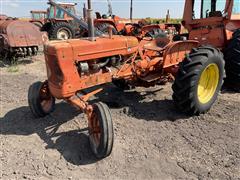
x=46, y=27
x=103, y=27
x=107, y=137
x=181, y=37
x=55, y=28
x=185, y=87
x=34, y=101
x=38, y=24
x=232, y=58
x=156, y=33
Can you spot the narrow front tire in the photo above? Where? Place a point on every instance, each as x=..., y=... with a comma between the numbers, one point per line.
x=40, y=101
x=101, y=131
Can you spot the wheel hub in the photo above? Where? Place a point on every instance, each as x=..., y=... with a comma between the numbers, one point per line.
x=95, y=130
x=208, y=83
x=45, y=99
x=63, y=34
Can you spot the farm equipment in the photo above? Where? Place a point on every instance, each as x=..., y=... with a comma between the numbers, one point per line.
x=3, y=16
x=115, y=22
x=127, y=27
x=62, y=22
x=103, y=22
x=217, y=23
x=70, y=26
x=196, y=69
x=19, y=38
x=56, y=22
x=38, y=18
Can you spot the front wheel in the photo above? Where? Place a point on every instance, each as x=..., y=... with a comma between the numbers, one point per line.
x=104, y=27
x=199, y=80
x=101, y=131
x=40, y=101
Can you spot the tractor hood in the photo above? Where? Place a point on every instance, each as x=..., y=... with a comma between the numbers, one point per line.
x=62, y=58
x=84, y=49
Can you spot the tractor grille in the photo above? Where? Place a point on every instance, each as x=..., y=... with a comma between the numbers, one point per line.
x=54, y=72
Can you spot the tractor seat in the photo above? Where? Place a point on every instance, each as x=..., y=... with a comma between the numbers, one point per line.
x=215, y=14
x=157, y=44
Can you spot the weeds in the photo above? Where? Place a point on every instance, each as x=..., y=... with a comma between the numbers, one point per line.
x=12, y=67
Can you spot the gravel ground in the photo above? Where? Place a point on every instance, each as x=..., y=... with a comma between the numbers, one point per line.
x=152, y=139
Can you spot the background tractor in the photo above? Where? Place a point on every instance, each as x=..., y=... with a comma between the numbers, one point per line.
x=57, y=23
x=103, y=22
x=61, y=22
x=74, y=67
x=60, y=25
x=38, y=18
x=216, y=23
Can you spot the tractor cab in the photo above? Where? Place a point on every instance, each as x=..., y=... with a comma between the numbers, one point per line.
x=211, y=21
x=57, y=23
x=54, y=12
x=38, y=15
x=38, y=18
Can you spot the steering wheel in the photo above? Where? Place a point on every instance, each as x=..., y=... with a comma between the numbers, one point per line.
x=135, y=29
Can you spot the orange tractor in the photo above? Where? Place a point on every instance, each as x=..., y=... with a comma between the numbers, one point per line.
x=196, y=68
x=128, y=27
x=63, y=25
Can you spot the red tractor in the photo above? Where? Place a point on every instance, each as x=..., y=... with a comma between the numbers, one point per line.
x=57, y=23
x=196, y=67
x=38, y=18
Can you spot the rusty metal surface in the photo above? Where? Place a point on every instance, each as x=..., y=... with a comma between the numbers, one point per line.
x=62, y=56
x=211, y=30
x=84, y=49
x=21, y=33
x=149, y=60
x=3, y=16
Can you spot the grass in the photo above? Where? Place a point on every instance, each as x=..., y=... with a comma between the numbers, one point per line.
x=157, y=21
x=13, y=67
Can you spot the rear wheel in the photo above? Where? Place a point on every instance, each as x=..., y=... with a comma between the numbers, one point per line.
x=38, y=24
x=156, y=33
x=232, y=58
x=61, y=31
x=104, y=27
x=199, y=80
x=101, y=131
x=40, y=101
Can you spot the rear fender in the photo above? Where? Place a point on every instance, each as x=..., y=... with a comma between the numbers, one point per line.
x=105, y=21
x=36, y=21
x=153, y=26
x=176, y=52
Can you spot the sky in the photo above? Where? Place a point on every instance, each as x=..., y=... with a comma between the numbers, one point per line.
x=141, y=8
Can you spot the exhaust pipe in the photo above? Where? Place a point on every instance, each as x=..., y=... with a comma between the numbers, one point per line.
x=91, y=29
x=84, y=12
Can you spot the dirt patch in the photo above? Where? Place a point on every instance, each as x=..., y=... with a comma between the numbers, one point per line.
x=152, y=139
